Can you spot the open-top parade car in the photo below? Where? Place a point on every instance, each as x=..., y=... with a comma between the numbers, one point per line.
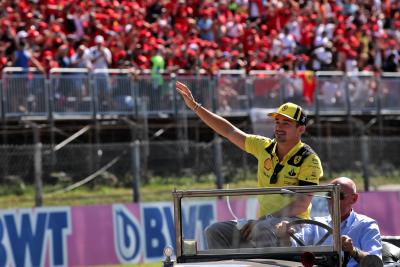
x=242, y=205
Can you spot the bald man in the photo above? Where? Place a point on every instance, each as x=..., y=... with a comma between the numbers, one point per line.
x=360, y=234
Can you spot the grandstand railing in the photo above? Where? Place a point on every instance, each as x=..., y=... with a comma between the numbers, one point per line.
x=81, y=93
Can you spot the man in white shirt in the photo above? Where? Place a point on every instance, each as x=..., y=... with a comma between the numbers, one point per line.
x=99, y=54
x=101, y=57
x=322, y=57
x=81, y=58
x=288, y=42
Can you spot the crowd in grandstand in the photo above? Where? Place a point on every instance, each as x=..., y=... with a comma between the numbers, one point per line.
x=201, y=35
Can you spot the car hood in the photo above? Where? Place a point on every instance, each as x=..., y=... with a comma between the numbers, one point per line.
x=244, y=263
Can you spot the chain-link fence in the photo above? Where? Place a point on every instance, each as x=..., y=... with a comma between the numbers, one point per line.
x=121, y=163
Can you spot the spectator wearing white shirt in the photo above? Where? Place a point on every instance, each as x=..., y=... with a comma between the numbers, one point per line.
x=294, y=28
x=322, y=57
x=392, y=50
x=234, y=29
x=101, y=57
x=81, y=58
x=288, y=42
x=276, y=45
x=99, y=54
x=321, y=40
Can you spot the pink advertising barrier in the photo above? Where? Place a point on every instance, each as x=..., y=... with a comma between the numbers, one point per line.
x=384, y=207
x=133, y=233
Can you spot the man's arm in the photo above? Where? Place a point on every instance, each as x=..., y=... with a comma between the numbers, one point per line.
x=283, y=232
x=369, y=239
x=107, y=55
x=354, y=252
x=214, y=121
x=310, y=172
x=297, y=206
x=37, y=64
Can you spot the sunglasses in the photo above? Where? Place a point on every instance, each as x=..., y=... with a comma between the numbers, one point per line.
x=341, y=195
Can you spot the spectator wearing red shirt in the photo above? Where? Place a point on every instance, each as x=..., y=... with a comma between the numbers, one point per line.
x=307, y=34
x=181, y=18
x=3, y=56
x=48, y=61
x=250, y=38
x=209, y=63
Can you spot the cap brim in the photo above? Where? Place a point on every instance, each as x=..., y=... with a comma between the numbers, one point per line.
x=274, y=114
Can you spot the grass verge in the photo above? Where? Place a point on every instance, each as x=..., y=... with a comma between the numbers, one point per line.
x=158, y=189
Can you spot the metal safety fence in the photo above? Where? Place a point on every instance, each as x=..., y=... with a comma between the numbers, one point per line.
x=78, y=92
x=120, y=164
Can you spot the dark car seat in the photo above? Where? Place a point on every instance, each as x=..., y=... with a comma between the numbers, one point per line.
x=390, y=254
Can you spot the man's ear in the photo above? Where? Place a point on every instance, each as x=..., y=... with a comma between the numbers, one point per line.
x=302, y=128
x=355, y=198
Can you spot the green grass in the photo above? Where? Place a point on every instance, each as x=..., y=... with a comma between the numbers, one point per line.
x=155, y=191
x=158, y=189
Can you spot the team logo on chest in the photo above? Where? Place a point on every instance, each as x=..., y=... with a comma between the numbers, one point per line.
x=297, y=159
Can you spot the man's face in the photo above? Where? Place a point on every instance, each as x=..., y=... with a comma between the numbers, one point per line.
x=347, y=200
x=287, y=130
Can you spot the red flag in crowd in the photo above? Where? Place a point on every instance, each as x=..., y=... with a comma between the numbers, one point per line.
x=309, y=85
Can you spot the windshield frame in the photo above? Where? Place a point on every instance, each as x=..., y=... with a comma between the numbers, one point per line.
x=288, y=253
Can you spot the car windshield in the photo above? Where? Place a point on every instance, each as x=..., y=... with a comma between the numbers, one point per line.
x=223, y=215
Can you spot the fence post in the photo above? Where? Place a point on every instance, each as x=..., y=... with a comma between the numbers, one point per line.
x=135, y=159
x=214, y=91
x=4, y=141
x=2, y=103
x=218, y=161
x=38, y=175
x=50, y=103
x=37, y=166
x=365, y=161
